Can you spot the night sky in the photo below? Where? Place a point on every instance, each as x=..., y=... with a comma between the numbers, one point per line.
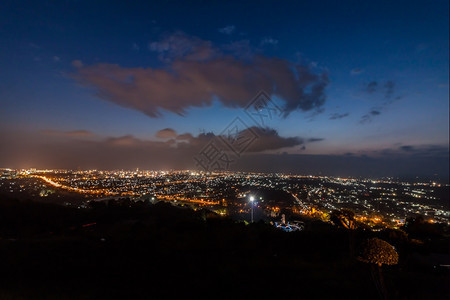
x=362, y=87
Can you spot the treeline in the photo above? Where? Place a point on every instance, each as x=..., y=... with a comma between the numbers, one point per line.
x=126, y=249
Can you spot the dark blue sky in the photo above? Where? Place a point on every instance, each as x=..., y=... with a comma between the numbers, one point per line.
x=354, y=78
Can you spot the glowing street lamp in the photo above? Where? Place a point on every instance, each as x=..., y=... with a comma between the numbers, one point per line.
x=251, y=203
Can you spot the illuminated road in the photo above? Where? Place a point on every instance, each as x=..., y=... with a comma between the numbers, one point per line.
x=106, y=192
x=198, y=201
x=73, y=189
x=299, y=202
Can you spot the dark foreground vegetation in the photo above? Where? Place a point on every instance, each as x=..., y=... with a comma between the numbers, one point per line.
x=137, y=250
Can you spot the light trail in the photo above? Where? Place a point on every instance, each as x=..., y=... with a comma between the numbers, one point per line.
x=73, y=189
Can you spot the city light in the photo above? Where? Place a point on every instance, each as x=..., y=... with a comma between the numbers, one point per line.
x=252, y=198
x=377, y=203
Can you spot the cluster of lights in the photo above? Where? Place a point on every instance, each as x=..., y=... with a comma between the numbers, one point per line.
x=387, y=199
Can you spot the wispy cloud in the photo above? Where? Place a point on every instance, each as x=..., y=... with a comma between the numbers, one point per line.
x=179, y=45
x=77, y=63
x=371, y=87
x=269, y=41
x=385, y=92
x=227, y=29
x=389, y=89
x=73, y=133
x=166, y=133
x=311, y=140
x=356, y=71
x=367, y=118
x=337, y=116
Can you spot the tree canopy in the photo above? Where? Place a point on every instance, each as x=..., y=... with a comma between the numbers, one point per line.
x=379, y=252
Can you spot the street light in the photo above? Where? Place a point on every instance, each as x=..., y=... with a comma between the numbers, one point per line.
x=251, y=203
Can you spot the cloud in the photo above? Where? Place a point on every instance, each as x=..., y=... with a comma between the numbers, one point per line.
x=349, y=165
x=56, y=58
x=24, y=150
x=196, y=73
x=180, y=45
x=166, y=133
x=407, y=148
x=367, y=118
x=389, y=89
x=371, y=87
x=77, y=63
x=123, y=141
x=269, y=139
x=264, y=139
x=315, y=113
x=356, y=71
x=311, y=140
x=269, y=41
x=422, y=150
x=73, y=133
x=227, y=29
x=73, y=149
x=185, y=137
x=241, y=49
x=337, y=116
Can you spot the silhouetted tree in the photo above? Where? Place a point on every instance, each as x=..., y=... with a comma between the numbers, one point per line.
x=419, y=228
x=346, y=218
x=377, y=253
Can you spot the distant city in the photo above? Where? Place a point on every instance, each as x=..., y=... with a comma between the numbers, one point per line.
x=379, y=203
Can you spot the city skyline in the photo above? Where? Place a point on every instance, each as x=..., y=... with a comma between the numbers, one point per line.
x=361, y=88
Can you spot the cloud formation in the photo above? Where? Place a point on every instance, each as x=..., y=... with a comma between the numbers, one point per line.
x=77, y=63
x=266, y=139
x=227, y=29
x=178, y=45
x=371, y=87
x=73, y=133
x=424, y=150
x=356, y=71
x=369, y=116
x=311, y=140
x=80, y=148
x=269, y=41
x=196, y=73
x=387, y=90
x=24, y=150
x=407, y=148
x=166, y=133
x=269, y=139
x=337, y=116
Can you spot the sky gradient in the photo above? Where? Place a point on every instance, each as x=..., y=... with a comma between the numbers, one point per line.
x=362, y=88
